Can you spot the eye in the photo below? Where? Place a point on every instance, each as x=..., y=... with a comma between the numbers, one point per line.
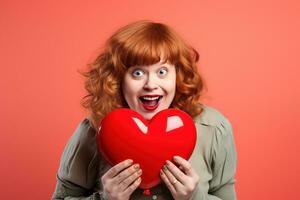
x=162, y=72
x=137, y=73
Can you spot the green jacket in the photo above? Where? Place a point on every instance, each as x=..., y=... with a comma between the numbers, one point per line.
x=214, y=158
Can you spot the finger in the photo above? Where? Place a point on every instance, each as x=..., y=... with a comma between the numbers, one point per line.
x=117, y=168
x=172, y=179
x=126, y=173
x=133, y=187
x=129, y=180
x=177, y=173
x=185, y=165
x=167, y=182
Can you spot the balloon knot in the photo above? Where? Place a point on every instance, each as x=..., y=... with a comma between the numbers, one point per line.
x=147, y=192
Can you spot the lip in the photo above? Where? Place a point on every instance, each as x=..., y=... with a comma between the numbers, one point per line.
x=151, y=95
x=147, y=107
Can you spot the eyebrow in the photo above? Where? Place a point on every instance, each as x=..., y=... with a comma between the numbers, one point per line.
x=160, y=65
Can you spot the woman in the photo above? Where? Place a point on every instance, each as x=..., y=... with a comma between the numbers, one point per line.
x=147, y=67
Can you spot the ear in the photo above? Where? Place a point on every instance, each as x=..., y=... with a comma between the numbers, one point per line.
x=141, y=125
x=173, y=123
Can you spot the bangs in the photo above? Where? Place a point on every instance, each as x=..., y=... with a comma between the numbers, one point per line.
x=149, y=46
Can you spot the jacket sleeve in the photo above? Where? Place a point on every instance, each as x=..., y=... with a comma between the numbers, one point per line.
x=78, y=173
x=223, y=165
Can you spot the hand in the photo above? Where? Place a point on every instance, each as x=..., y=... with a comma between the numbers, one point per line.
x=121, y=180
x=181, y=181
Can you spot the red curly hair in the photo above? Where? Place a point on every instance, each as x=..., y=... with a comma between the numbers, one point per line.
x=141, y=43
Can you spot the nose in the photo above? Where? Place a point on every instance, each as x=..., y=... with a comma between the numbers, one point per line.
x=150, y=83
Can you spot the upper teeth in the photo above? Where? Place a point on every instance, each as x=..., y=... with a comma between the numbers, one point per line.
x=150, y=98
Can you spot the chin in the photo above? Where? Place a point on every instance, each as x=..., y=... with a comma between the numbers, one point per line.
x=149, y=116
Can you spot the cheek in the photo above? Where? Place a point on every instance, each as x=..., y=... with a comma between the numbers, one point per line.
x=130, y=88
x=170, y=85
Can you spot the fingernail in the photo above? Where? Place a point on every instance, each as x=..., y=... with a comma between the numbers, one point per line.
x=136, y=166
x=168, y=162
x=140, y=172
x=161, y=173
x=130, y=162
x=176, y=158
x=165, y=167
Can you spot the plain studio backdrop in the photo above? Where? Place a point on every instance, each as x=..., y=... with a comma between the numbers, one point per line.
x=249, y=57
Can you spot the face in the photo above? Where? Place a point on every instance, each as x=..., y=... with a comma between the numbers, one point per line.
x=149, y=89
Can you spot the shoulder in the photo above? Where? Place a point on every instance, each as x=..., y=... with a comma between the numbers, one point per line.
x=222, y=145
x=212, y=117
x=82, y=137
x=84, y=132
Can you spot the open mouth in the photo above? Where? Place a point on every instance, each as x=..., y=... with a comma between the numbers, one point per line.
x=150, y=102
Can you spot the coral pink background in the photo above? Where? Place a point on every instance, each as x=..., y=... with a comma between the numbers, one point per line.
x=249, y=58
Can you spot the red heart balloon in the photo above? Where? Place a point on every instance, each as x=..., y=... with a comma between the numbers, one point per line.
x=125, y=134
